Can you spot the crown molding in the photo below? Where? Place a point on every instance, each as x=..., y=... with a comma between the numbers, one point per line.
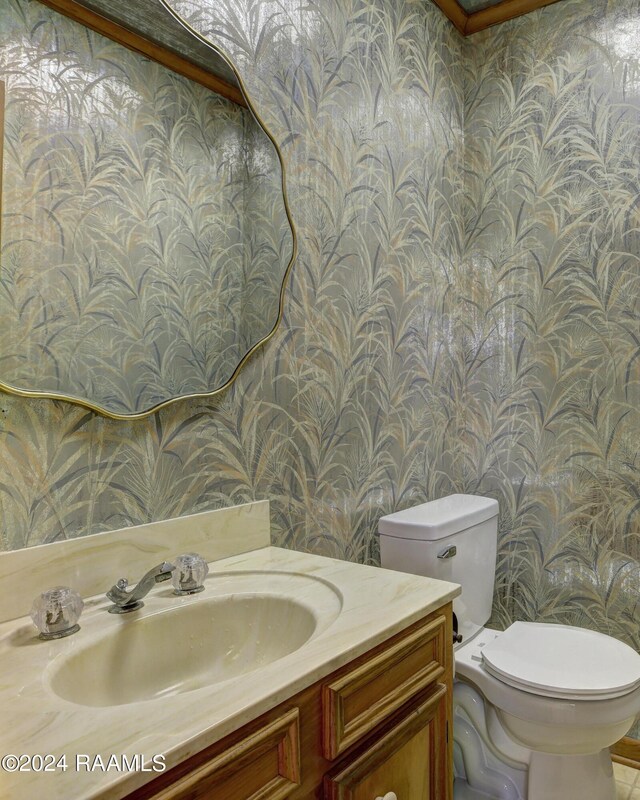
x=477, y=21
x=184, y=56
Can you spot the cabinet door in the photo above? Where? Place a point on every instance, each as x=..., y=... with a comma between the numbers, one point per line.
x=358, y=701
x=263, y=766
x=409, y=759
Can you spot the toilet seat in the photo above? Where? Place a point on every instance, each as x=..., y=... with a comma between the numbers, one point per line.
x=562, y=662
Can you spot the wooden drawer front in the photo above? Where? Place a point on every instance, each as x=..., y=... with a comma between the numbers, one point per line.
x=354, y=704
x=409, y=759
x=264, y=766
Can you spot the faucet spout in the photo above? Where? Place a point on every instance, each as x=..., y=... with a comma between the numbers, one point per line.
x=125, y=598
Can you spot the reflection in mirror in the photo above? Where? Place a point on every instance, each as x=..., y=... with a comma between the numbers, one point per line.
x=145, y=236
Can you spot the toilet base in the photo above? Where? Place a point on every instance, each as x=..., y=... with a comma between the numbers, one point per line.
x=462, y=791
x=563, y=777
x=489, y=763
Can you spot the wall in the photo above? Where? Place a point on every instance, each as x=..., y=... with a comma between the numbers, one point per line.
x=348, y=412
x=458, y=319
x=552, y=294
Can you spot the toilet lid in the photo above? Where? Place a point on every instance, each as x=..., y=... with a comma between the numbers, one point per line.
x=564, y=662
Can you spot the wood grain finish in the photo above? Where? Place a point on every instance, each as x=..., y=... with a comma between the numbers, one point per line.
x=508, y=9
x=455, y=12
x=477, y=21
x=626, y=751
x=355, y=703
x=408, y=759
x=133, y=41
x=263, y=766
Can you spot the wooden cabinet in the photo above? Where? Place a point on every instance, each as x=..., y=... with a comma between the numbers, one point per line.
x=377, y=725
x=408, y=759
x=362, y=697
x=265, y=765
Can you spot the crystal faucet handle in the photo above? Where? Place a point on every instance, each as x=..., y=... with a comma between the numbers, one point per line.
x=56, y=612
x=190, y=571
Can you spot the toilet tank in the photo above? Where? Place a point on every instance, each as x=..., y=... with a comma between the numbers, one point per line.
x=421, y=540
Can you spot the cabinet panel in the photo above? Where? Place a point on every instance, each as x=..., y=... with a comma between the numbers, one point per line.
x=264, y=766
x=409, y=759
x=354, y=704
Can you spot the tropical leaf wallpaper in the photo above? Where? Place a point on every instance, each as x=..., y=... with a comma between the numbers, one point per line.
x=144, y=234
x=551, y=343
x=463, y=315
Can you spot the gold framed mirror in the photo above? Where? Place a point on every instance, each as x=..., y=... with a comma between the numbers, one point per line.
x=146, y=234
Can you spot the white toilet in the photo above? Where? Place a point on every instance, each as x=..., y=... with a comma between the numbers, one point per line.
x=536, y=706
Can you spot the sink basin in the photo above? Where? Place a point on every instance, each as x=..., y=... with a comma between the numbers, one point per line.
x=204, y=639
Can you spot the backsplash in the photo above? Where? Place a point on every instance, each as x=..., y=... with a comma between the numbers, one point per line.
x=92, y=564
x=431, y=343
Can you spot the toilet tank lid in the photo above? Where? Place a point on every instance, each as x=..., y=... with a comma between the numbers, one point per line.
x=439, y=518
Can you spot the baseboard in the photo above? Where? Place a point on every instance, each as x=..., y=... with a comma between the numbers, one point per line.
x=626, y=751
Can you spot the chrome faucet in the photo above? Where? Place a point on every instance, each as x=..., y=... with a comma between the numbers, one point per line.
x=126, y=599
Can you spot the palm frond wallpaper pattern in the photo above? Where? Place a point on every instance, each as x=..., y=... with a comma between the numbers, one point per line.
x=144, y=235
x=552, y=298
x=463, y=315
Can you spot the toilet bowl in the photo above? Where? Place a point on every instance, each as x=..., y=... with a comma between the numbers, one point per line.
x=554, y=697
x=568, y=737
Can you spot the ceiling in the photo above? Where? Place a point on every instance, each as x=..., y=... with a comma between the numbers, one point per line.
x=471, y=16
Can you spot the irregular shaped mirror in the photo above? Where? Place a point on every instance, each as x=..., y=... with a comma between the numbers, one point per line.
x=146, y=238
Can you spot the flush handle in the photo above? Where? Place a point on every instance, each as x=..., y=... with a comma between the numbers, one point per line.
x=448, y=552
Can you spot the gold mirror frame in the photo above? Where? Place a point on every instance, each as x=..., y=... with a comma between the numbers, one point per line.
x=105, y=27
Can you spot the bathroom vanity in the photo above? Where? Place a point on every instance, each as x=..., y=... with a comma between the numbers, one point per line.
x=290, y=676
x=377, y=725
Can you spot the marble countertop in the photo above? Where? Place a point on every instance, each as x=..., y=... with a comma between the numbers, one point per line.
x=374, y=604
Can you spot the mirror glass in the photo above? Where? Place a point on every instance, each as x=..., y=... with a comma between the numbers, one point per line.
x=145, y=235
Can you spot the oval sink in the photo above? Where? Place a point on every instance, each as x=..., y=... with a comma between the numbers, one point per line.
x=181, y=648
